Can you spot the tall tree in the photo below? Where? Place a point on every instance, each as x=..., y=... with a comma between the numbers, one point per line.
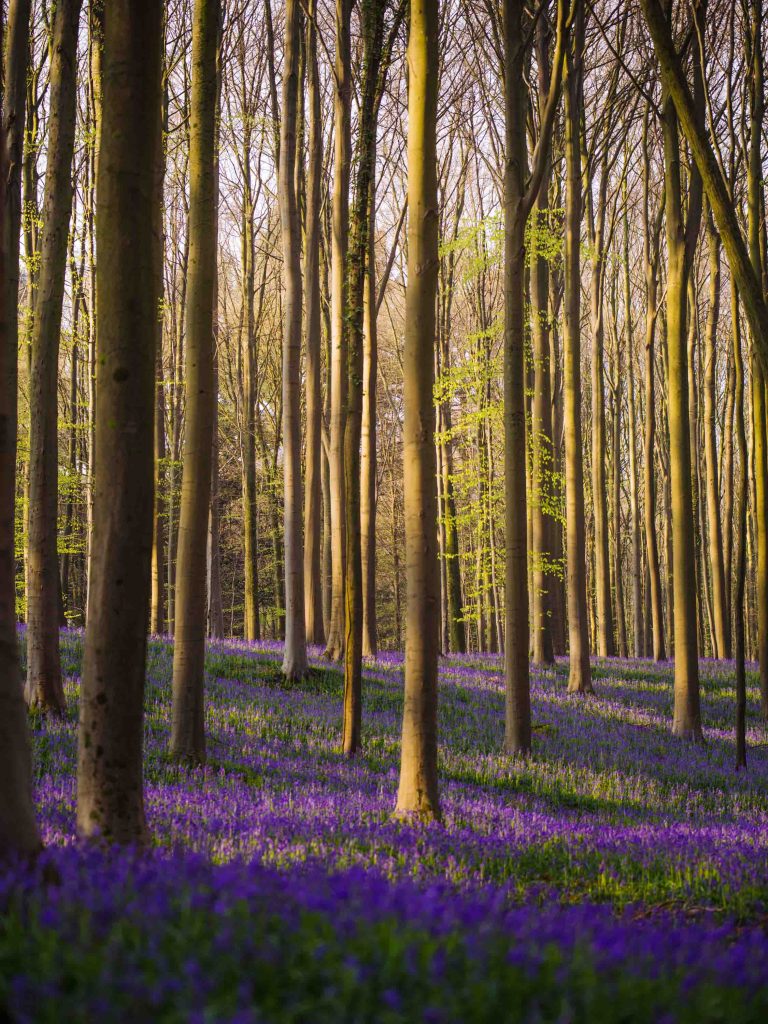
x=754, y=54
x=18, y=828
x=638, y=636
x=651, y=242
x=44, y=682
x=682, y=233
x=418, y=789
x=519, y=197
x=721, y=638
x=338, y=370
x=360, y=251
x=110, y=802
x=542, y=524
x=295, y=653
x=579, y=676
x=313, y=584
x=188, y=722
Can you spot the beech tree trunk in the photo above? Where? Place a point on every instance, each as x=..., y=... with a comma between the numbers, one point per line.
x=687, y=715
x=542, y=498
x=580, y=676
x=19, y=834
x=517, y=699
x=44, y=683
x=721, y=639
x=110, y=802
x=651, y=260
x=339, y=244
x=187, y=718
x=295, y=652
x=418, y=788
x=313, y=584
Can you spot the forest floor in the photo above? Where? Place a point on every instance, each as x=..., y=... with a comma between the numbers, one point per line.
x=618, y=874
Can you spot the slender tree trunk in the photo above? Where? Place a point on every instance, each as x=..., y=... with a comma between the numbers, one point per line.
x=618, y=574
x=313, y=586
x=110, y=803
x=651, y=251
x=606, y=646
x=339, y=244
x=187, y=719
x=759, y=377
x=638, y=634
x=722, y=640
x=541, y=409
x=44, y=682
x=295, y=653
x=729, y=434
x=457, y=633
x=687, y=715
x=157, y=613
x=741, y=537
x=95, y=45
x=418, y=789
x=518, y=698
x=580, y=677
x=18, y=829
x=359, y=256
x=252, y=623
x=368, y=454
x=215, y=609
x=214, y=598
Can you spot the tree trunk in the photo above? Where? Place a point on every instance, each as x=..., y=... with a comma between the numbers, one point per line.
x=187, y=720
x=368, y=454
x=339, y=244
x=542, y=498
x=44, y=682
x=687, y=716
x=759, y=374
x=606, y=646
x=110, y=802
x=618, y=574
x=580, y=678
x=638, y=633
x=651, y=261
x=295, y=652
x=157, y=613
x=722, y=640
x=741, y=538
x=18, y=829
x=313, y=584
x=215, y=609
x=517, y=698
x=359, y=256
x=418, y=788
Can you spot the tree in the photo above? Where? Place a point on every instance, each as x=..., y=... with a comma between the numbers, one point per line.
x=110, y=802
x=418, y=789
x=519, y=197
x=188, y=724
x=681, y=238
x=44, y=682
x=313, y=591
x=721, y=638
x=18, y=828
x=651, y=240
x=542, y=525
x=338, y=368
x=295, y=653
x=579, y=676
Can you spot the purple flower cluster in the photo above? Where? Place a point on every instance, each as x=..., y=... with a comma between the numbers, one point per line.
x=562, y=861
